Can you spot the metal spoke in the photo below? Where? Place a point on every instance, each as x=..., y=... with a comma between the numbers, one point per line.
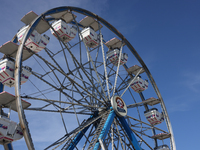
x=68, y=78
x=131, y=82
x=90, y=60
x=118, y=64
x=119, y=134
x=104, y=62
x=56, y=106
x=147, y=124
x=57, y=101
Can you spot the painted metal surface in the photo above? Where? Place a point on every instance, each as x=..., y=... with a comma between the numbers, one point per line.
x=1, y=87
x=130, y=133
x=8, y=147
x=79, y=136
x=105, y=129
x=77, y=139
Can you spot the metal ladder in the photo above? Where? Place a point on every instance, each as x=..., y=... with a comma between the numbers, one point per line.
x=98, y=130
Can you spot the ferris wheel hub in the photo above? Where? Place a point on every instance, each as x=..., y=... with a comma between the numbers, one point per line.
x=119, y=106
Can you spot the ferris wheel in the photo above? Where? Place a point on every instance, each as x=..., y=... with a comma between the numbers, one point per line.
x=80, y=84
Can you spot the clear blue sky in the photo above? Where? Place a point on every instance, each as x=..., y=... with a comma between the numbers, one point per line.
x=165, y=33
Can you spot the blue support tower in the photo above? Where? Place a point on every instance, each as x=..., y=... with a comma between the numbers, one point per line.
x=106, y=128
x=130, y=133
x=104, y=133
x=80, y=135
x=8, y=146
x=77, y=139
x=1, y=87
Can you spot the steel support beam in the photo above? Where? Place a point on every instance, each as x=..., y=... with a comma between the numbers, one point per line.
x=105, y=129
x=8, y=146
x=77, y=139
x=130, y=133
x=79, y=136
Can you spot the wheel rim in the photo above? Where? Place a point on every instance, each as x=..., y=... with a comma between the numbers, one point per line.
x=83, y=82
